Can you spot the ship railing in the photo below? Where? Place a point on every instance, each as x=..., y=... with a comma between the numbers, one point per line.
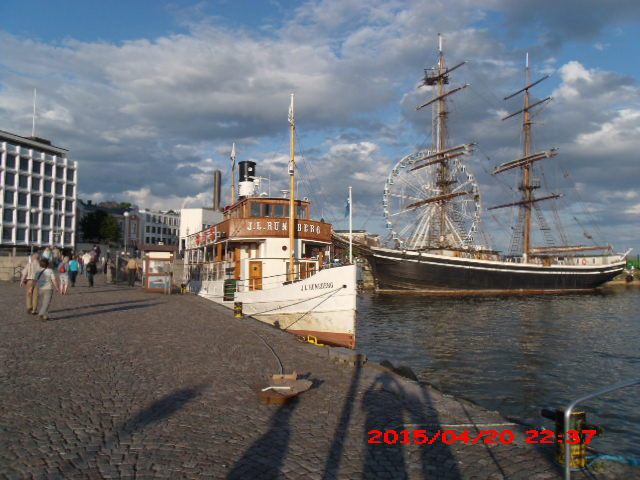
x=575, y=403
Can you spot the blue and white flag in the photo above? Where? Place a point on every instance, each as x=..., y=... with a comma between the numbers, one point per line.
x=347, y=208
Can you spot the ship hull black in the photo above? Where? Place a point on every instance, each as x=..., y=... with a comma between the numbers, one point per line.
x=396, y=270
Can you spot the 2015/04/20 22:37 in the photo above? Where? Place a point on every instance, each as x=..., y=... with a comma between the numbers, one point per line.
x=487, y=437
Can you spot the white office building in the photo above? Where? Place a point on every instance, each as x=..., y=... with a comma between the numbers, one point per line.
x=38, y=190
x=159, y=227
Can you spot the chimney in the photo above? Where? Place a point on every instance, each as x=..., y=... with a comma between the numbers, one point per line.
x=217, y=180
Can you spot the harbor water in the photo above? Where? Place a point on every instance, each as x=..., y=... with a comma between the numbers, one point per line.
x=519, y=354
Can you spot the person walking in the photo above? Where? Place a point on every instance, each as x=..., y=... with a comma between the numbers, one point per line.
x=86, y=258
x=74, y=267
x=63, y=275
x=132, y=270
x=92, y=269
x=28, y=279
x=47, y=282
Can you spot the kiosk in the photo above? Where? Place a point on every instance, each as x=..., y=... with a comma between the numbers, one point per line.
x=157, y=267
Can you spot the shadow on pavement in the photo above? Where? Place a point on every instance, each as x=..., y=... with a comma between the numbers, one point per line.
x=332, y=464
x=157, y=411
x=95, y=305
x=107, y=310
x=381, y=460
x=264, y=458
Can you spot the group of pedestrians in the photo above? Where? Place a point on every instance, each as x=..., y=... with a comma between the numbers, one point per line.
x=51, y=271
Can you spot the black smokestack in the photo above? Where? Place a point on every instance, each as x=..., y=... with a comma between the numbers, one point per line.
x=217, y=181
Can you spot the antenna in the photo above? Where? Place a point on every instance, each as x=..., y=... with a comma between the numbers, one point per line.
x=33, y=124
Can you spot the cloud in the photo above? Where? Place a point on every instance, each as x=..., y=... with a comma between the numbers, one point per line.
x=149, y=119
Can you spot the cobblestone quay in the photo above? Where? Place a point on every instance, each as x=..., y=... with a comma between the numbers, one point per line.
x=124, y=384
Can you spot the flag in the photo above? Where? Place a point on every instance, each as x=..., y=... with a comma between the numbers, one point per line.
x=291, y=119
x=233, y=156
x=347, y=208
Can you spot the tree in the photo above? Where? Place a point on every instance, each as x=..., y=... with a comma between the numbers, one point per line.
x=98, y=226
x=109, y=230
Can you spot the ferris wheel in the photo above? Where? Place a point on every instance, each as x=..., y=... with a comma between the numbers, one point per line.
x=421, y=213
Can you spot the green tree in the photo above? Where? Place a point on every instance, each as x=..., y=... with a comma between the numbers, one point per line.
x=109, y=229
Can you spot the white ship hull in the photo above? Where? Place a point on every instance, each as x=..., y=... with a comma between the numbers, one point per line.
x=322, y=305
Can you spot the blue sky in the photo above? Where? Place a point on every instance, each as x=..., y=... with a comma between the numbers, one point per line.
x=157, y=91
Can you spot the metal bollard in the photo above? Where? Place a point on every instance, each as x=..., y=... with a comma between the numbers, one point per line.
x=578, y=452
x=237, y=309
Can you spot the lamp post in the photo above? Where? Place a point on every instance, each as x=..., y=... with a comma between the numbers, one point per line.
x=126, y=218
x=33, y=211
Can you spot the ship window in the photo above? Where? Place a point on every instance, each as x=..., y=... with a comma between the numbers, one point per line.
x=301, y=213
x=266, y=210
x=278, y=211
x=255, y=209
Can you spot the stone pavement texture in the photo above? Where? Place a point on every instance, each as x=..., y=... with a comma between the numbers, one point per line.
x=125, y=384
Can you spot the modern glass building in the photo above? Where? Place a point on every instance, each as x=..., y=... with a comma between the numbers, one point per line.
x=38, y=190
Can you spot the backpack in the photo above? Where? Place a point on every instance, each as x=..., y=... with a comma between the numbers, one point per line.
x=62, y=268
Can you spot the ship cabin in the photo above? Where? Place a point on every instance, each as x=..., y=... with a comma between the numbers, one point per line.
x=251, y=245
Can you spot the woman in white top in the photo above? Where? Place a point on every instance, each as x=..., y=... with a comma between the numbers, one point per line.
x=47, y=282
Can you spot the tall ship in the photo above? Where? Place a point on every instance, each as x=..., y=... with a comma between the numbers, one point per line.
x=432, y=206
x=271, y=256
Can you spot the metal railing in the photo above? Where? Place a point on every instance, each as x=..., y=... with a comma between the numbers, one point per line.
x=569, y=410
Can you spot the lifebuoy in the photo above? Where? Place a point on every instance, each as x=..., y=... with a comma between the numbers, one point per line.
x=584, y=261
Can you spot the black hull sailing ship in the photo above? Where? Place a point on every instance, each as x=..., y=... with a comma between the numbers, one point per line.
x=432, y=206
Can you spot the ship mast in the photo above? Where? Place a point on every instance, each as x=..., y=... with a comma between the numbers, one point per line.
x=526, y=161
x=438, y=78
x=292, y=167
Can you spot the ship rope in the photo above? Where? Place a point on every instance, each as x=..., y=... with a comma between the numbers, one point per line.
x=331, y=292
x=309, y=311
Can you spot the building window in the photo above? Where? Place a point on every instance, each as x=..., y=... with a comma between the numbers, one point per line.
x=48, y=170
x=60, y=172
x=153, y=219
x=35, y=216
x=24, y=164
x=23, y=181
x=68, y=222
x=9, y=179
x=7, y=215
x=35, y=184
x=69, y=190
x=146, y=229
x=47, y=186
x=21, y=234
x=59, y=188
x=153, y=229
x=8, y=197
x=67, y=237
x=70, y=175
x=46, y=219
x=146, y=239
x=7, y=234
x=46, y=203
x=68, y=206
x=11, y=161
x=36, y=166
x=33, y=235
x=22, y=217
x=46, y=235
x=22, y=199
x=35, y=201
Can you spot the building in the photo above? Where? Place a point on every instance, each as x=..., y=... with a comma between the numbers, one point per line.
x=193, y=220
x=38, y=190
x=159, y=227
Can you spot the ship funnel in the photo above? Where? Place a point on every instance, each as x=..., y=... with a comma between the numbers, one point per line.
x=217, y=181
x=247, y=175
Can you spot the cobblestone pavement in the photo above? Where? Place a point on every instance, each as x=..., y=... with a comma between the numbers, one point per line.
x=124, y=384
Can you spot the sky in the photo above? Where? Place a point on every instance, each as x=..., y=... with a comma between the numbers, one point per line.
x=148, y=97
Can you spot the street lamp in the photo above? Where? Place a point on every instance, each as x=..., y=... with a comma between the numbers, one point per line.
x=126, y=217
x=33, y=210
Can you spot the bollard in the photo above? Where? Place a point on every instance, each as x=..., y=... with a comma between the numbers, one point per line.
x=237, y=309
x=183, y=288
x=578, y=452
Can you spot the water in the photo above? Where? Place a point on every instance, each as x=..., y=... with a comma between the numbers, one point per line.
x=517, y=355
